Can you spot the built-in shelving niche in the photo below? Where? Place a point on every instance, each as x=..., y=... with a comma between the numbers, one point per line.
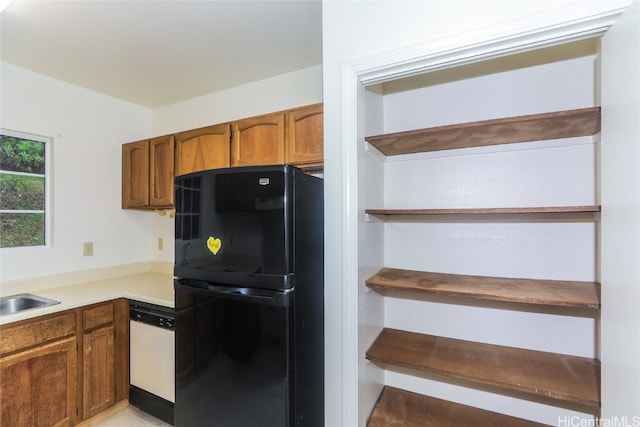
x=557, y=379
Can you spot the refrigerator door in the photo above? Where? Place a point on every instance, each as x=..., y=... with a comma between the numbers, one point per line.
x=233, y=357
x=234, y=226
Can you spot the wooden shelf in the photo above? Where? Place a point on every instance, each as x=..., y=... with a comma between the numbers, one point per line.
x=397, y=407
x=558, y=293
x=588, y=209
x=534, y=127
x=560, y=377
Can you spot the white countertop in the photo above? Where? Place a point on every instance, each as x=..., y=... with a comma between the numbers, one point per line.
x=151, y=287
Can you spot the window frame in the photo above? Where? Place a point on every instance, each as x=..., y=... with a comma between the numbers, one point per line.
x=48, y=186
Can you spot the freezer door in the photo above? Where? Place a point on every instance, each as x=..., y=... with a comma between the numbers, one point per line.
x=232, y=225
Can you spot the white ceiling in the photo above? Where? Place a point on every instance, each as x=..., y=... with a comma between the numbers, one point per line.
x=158, y=52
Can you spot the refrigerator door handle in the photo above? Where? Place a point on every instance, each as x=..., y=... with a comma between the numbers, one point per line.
x=251, y=292
x=257, y=295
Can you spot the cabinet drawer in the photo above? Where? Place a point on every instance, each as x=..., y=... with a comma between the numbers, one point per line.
x=97, y=316
x=29, y=333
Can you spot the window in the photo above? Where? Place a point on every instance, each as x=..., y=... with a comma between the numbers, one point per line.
x=24, y=194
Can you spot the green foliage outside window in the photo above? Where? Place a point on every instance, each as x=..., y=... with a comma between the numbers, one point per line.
x=21, y=155
x=22, y=192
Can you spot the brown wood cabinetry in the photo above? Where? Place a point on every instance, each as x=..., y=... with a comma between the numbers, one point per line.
x=294, y=137
x=39, y=385
x=105, y=350
x=304, y=136
x=65, y=367
x=121, y=343
x=38, y=371
x=204, y=148
x=98, y=370
x=135, y=174
x=161, y=171
x=258, y=140
x=147, y=173
x=98, y=359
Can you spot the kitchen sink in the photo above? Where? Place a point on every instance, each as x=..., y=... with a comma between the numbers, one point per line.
x=17, y=303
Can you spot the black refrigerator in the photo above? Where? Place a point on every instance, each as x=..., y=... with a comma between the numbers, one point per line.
x=249, y=298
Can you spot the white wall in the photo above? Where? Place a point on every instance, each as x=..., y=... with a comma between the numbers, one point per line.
x=294, y=89
x=87, y=129
x=621, y=218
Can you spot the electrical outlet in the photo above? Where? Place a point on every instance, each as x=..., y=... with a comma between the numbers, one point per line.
x=160, y=244
x=87, y=248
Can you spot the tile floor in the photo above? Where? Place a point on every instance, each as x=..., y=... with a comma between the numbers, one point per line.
x=131, y=417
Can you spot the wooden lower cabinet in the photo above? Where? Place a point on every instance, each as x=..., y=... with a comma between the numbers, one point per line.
x=39, y=385
x=60, y=369
x=98, y=377
x=105, y=356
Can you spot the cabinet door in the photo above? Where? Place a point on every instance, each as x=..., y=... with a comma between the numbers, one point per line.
x=161, y=172
x=98, y=370
x=304, y=143
x=205, y=148
x=258, y=141
x=135, y=174
x=121, y=348
x=39, y=385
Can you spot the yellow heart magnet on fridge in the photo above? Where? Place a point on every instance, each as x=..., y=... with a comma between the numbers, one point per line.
x=214, y=244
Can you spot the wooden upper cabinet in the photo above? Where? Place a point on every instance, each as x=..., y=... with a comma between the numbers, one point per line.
x=204, y=148
x=258, y=140
x=304, y=143
x=135, y=174
x=149, y=167
x=161, y=171
x=147, y=173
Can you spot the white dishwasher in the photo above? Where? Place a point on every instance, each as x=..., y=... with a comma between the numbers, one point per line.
x=152, y=359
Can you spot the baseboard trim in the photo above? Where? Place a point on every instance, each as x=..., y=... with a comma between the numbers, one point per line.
x=104, y=414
